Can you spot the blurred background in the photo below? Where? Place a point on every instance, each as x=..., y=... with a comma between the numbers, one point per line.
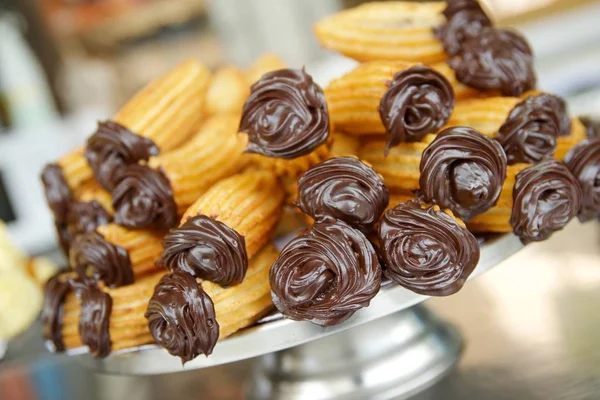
x=65, y=64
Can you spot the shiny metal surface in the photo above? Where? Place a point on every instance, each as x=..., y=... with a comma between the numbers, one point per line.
x=282, y=334
x=413, y=350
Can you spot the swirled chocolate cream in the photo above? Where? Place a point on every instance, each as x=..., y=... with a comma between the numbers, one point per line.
x=285, y=115
x=464, y=20
x=583, y=160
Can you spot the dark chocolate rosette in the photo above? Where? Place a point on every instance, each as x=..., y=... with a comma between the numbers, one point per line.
x=530, y=132
x=496, y=59
x=143, y=199
x=419, y=101
x=465, y=20
x=286, y=115
x=343, y=188
x=57, y=192
x=325, y=275
x=113, y=147
x=583, y=160
x=463, y=170
x=206, y=249
x=592, y=127
x=94, y=317
x=94, y=259
x=426, y=250
x=84, y=217
x=546, y=196
x=55, y=292
x=181, y=317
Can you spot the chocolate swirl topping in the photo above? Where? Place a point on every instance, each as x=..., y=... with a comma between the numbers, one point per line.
x=94, y=318
x=531, y=129
x=343, y=188
x=465, y=20
x=583, y=160
x=560, y=105
x=419, y=101
x=143, y=199
x=113, y=147
x=286, y=115
x=57, y=191
x=546, y=196
x=85, y=217
x=64, y=238
x=463, y=170
x=592, y=127
x=95, y=259
x=325, y=275
x=425, y=250
x=55, y=291
x=206, y=249
x=496, y=59
x=181, y=317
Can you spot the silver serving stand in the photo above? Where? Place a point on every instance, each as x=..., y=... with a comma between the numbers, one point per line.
x=393, y=348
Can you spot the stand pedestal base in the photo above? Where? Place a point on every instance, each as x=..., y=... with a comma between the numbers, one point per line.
x=392, y=357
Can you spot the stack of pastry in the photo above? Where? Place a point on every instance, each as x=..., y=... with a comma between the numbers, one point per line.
x=169, y=210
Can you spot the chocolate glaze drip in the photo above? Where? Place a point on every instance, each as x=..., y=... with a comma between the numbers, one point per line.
x=425, y=250
x=206, y=249
x=95, y=259
x=463, y=170
x=181, y=317
x=592, y=127
x=57, y=191
x=343, y=188
x=531, y=129
x=496, y=59
x=85, y=217
x=419, y=101
x=325, y=275
x=55, y=291
x=546, y=196
x=583, y=160
x=113, y=147
x=94, y=318
x=465, y=20
x=286, y=115
x=143, y=199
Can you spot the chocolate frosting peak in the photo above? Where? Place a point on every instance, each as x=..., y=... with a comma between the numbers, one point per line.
x=425, y=250
x=96, y=307
x=325, y=275
x=531, y=129
x=343, y=188
x=57, y=191
x=55, y=291
x=592, y=127
x=583, y=160
x=463, y=170
x=465, y=20
x=143, y=199
x=546, y=196
x=85, y=217
x=419, y=101
x=181, y=317
x=95, y=259
x=113, y=147
x=496, y=59
x=286, y=115
x=206, y=249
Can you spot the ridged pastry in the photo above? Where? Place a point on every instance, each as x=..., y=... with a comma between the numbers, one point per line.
x=227, y=91
x=267, y=62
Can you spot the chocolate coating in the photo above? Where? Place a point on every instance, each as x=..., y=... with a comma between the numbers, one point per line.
x=419, y=101
x=181, y=317
x=113, y=147
x=546, y=196
x=64, y=238
x=94, y=318
x=85, y=217
x=465, y=20
x=463, y=170
x=57, y=191
x=531, y=129
x=206, y=249
x=343, y=188
x=285, y=115
x=55, y=291
x=496, y=59
x=143, y=199
x=583, y=160
x=325, y=275
x=592, y=127
x=95, y=259
x=425, y=250
x=560, y=105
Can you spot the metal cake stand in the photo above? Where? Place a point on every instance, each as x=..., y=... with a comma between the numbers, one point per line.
x=393, y=348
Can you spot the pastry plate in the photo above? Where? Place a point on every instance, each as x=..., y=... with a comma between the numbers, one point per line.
x=275, y=333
